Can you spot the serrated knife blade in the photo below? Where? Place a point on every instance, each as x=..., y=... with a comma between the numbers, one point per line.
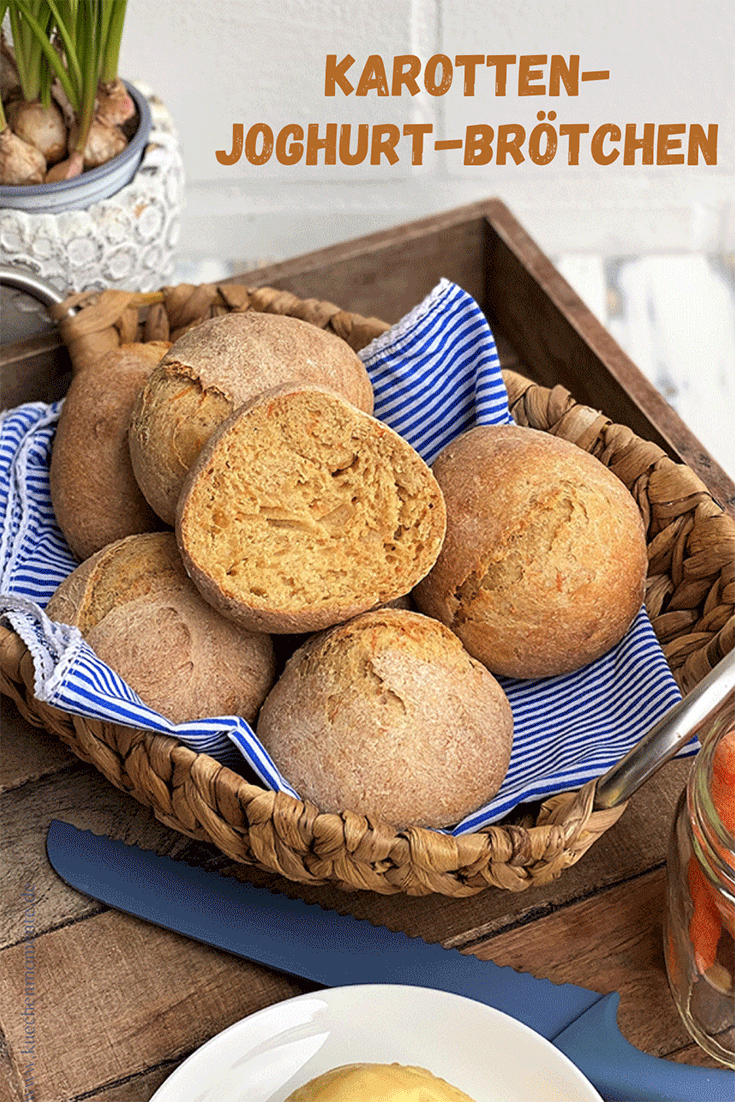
x=307, y=941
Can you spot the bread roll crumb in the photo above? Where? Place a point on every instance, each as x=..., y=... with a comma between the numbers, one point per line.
x=303, y=511
x=213, y=369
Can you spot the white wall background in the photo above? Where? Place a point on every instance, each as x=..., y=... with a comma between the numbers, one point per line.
x=216, y=62
x=651, y=249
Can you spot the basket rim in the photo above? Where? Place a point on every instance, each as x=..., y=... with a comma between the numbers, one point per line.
x=566, y=827
x=198, y=796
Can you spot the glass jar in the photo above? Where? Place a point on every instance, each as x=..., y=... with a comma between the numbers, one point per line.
x=699, y=930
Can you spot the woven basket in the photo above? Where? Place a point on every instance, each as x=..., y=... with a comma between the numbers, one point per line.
x=690, y=599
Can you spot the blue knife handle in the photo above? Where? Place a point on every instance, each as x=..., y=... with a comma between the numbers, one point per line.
x=622, y=1073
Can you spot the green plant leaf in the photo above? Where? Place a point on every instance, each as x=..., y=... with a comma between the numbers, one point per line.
x=20, y=10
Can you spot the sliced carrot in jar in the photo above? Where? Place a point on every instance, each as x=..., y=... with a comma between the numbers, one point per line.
x=705, y=925
x=723, y=780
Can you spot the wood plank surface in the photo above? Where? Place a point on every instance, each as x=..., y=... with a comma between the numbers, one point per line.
x=27, y=753
x=80, y=795
x=138, y=1000
x=148, y=996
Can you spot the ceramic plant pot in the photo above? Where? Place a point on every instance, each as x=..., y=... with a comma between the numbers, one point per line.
x=114, y=226
x=92, y=186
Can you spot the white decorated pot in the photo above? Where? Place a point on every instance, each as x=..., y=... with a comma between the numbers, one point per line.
x=114, y=228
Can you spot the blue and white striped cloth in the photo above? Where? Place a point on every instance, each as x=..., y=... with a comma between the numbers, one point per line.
x=435, y=374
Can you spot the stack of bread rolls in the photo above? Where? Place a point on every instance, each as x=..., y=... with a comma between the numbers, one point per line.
x=243, y=494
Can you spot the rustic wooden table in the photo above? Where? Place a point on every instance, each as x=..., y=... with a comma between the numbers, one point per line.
x=117, y=1003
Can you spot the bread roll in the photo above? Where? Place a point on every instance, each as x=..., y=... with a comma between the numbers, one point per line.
x=302, y=511
x=387, y=715
x=140, y=613
x=216, y=367
x=544, y=563
x=94, y=493
x=377, y=1083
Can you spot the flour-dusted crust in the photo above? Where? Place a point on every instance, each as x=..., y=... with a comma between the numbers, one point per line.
x=94, y=493
x=303, y=511
x=388, y=715
x=139, y=611
x=544, y=564
x=216, y=367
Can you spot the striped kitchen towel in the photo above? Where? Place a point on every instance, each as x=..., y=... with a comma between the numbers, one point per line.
x=435, y=374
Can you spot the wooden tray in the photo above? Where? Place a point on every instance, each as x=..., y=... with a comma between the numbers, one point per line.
x=542, y=327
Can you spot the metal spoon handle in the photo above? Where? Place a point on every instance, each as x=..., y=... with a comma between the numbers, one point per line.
x=713, y=694
x=22, y=279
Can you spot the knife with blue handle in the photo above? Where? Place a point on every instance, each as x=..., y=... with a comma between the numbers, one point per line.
x=305, y=940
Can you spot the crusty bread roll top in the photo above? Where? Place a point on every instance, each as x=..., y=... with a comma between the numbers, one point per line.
x=388, y=715
x=544, y=563
x=136, y=607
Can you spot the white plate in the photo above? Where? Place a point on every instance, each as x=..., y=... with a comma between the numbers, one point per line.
x=483, y=1052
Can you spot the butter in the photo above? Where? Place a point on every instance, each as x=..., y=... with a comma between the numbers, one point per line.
x=377, y=1083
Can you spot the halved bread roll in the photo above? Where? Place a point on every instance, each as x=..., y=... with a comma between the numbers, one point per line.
x=302, y=511
x=215, y=368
